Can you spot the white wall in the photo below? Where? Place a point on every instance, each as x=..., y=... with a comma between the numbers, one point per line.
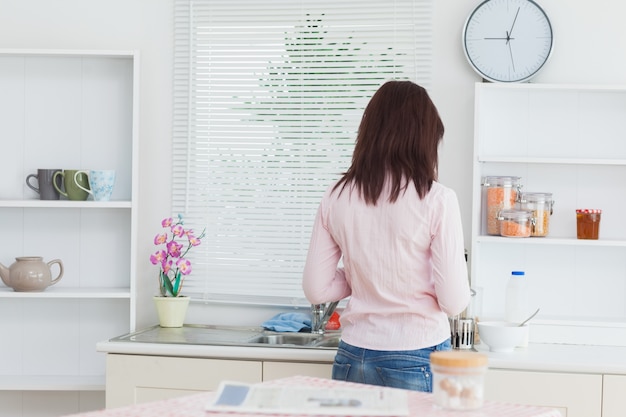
x=589, y=48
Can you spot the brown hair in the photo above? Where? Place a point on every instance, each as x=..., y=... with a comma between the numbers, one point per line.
x=398, y=137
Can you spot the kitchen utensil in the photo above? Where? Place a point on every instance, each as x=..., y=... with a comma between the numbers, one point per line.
x=462, y=332
x=531, y=316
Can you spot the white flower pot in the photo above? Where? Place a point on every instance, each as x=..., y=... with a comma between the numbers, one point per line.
x=171, y=310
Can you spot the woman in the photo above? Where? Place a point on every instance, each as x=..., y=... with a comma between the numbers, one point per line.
x=400, y=235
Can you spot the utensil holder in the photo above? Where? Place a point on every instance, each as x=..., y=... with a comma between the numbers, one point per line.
x=462, y=333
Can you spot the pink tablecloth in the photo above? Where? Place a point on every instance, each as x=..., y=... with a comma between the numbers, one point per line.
x=420, y=405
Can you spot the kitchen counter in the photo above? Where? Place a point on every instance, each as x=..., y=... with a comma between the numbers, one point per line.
x=419, y=403
x=560, y=358
x=222, y=342
x=537, y=357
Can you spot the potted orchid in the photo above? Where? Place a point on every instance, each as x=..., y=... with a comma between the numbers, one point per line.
x=174, y=267
x=175, y=243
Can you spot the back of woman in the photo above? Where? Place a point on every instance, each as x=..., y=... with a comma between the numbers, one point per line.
x=400, y=235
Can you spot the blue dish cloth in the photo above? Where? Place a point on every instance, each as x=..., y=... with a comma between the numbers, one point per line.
x=288, y=322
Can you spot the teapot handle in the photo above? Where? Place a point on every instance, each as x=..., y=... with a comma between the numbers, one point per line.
x=56, y=261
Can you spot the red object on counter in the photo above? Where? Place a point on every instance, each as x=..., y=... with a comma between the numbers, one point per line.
x=421, y=404
x=333, y=322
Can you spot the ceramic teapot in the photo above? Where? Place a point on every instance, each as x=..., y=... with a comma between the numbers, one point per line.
x=30, y=273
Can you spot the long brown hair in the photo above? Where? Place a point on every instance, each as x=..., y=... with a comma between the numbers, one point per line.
x=398, y=137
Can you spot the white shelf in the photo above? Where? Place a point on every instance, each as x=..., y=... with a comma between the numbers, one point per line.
x=568, y=140
x=67, y=109
x=64, y=204
x=52, y=383
x=67, y=53
x=550, y=241
x=555, y=161
x=58, y=292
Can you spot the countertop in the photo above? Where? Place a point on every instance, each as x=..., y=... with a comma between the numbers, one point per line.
x=536, y=357
x=420, y=404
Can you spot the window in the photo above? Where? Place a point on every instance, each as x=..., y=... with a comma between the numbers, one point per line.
x=268, y=98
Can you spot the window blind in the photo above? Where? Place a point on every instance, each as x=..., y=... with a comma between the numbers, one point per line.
x=268, y=96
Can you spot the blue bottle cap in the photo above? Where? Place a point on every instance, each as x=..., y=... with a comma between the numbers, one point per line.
x=517, y=273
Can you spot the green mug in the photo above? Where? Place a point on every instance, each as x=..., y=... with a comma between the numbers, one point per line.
x=73, y=180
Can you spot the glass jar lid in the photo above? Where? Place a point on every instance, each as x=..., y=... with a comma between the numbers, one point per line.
x=516, y=215
x=532, y=197
x=456, y=359
x=501, y=181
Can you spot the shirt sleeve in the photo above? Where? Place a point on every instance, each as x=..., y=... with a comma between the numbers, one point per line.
x=322, y=280
x=450, y=275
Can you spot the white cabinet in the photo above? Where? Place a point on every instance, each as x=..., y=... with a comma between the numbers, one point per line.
x=613, y=401
x=133, y=379
x=66, y=110
x=277, y=370
x=569, y=140
x=574, y=395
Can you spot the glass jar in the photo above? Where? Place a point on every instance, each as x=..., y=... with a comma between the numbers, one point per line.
x=500, y=193
x=541, y=205
x=588, y=223
x=516, y=223
x=458, y=379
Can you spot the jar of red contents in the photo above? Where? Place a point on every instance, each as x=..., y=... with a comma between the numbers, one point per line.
x=588, y=223
x=541, y=206
x=500, y=193
x=516, y=223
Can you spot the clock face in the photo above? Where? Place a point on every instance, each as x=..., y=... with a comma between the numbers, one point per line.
x=507, y=40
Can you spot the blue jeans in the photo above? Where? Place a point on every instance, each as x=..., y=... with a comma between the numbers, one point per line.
x=407, y=369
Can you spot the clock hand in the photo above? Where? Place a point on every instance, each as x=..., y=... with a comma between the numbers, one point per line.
x=510, y=32
x=508, y=38
x=511, y=55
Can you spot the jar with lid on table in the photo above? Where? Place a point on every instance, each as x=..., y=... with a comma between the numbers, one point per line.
x=540, y=204
x=499, y=193
x=458, y=379
x=516, y=223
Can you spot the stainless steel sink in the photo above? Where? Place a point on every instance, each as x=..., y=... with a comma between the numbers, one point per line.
x=328, y=342
x=297, y=339
x=232, y=336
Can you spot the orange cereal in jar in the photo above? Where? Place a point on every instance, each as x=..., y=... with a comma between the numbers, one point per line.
x=516, y=223
x=501, y=194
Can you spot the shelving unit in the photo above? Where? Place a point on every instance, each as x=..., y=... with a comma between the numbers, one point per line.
x=569, y=140
x=66, y=110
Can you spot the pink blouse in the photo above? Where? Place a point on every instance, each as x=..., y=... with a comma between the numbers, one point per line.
x=403, y=266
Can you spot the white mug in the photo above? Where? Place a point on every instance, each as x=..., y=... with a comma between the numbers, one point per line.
x=101, y=183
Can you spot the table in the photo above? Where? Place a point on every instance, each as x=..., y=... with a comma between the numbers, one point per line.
x=420, y=404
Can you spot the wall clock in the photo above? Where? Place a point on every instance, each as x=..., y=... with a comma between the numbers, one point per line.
x=507, y=40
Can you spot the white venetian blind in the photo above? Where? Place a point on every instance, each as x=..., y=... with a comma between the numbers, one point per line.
x=268, y=98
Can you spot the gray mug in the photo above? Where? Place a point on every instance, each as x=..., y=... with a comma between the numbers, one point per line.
x=45, y=187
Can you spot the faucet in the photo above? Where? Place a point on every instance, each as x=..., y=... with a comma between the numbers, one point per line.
x=320, y=314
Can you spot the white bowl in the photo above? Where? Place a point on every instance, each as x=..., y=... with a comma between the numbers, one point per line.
x=501, y=336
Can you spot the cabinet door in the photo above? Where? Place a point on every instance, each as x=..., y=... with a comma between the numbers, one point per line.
x=574, y=395
x=134, y=379
x=613, y=398
x=276, y=370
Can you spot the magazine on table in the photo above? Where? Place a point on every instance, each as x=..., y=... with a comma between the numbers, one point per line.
x=273, y=399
